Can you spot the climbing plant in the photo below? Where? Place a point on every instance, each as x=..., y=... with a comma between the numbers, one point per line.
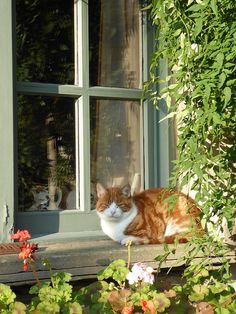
x=197, y=39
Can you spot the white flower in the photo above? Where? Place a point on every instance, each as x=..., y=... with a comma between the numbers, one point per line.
x=140, y=272
x=131, y=278
x=195, y=47
x=150, y=270
x=148, y=278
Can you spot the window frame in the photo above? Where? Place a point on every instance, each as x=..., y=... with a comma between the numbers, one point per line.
x=157, y=150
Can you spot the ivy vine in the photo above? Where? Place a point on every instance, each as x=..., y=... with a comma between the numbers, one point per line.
x=198, y=39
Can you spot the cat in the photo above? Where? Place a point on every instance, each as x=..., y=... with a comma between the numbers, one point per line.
x=145, y=218
x=41, y=198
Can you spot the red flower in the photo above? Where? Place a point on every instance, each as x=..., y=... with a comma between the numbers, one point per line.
x=127, y=309
x=27, y=254
x=21, y=235
x=26, y=265
x=27, y=251
x=148, y=306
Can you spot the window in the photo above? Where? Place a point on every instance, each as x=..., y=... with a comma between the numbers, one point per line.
x=71, y=111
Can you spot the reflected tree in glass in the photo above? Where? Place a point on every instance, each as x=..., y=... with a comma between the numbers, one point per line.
x=45, y=41
x=46, y=152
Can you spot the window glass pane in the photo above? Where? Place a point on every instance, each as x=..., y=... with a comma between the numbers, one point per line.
x=115, y=143
x=114, y=42
x=44, y=34
x=46, y=153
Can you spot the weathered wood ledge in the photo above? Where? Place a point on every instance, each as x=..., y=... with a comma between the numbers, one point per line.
x=83, y=259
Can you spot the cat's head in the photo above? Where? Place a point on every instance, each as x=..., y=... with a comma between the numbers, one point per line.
x=113, y=204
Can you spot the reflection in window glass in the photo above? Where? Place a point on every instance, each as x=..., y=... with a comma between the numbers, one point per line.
x=114, y=42
x=44, y=34
x=115, y=143
x=46, y=153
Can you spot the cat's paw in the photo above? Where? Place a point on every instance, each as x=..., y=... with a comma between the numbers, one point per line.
x=125, y=241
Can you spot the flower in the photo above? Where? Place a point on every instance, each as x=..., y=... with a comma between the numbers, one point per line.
x=128, y=309
x=148, y=306
x=26, y=265
x=27, y=254
x=27, y=251
x=21, y=235
x=139, y=272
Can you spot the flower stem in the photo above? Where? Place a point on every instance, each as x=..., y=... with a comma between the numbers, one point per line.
x=128, y=244
x=32, y=265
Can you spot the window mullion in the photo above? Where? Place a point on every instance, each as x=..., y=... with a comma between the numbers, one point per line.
x=83, y=105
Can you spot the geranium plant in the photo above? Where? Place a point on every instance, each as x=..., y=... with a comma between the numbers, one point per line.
x=124, y=289
x=27, y=250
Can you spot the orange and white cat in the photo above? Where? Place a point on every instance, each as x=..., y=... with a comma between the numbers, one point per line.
x=146, y=217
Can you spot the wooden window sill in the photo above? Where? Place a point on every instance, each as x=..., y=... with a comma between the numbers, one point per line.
x=83, y=259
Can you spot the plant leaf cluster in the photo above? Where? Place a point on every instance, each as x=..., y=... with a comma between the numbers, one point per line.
x=198, y=40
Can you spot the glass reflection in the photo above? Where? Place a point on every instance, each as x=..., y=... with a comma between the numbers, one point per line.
x=44, y=35
x=114, y=42
x=115, y=143
x=46, y=153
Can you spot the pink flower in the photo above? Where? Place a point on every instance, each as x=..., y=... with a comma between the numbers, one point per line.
x=21, y=235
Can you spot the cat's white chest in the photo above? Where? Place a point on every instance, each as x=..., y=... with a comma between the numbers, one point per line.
x=115, y=228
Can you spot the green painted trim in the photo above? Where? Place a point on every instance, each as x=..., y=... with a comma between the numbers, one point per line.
x=7, y=121
x=149, y=112
x=58, y=221
x=84, y=154
x=163, y=137
x=113, y=92
x=156, y=143
x=32, y=88
x=83, y=109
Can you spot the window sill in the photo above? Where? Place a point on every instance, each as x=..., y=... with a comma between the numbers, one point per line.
x=83, y=259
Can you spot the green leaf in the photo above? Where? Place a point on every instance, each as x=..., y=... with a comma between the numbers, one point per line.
x=222, y=79
x=227, y=93
x=18, y=308
x=169, y=116
x=214, y=7
x=198, y=27
x=7, y=296
x=219, y=60
x=195, y=8
x=75, y=308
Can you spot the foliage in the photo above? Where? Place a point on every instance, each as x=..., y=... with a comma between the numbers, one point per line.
x=201, y=293
x=113, y=294
x=204, y=284
x=198, y=38
x=54, y=296
x=122, y=290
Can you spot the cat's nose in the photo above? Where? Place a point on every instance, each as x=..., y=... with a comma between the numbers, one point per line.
x=113, y=211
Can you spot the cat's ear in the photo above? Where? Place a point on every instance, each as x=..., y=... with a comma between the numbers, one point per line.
x=100, y=190
x=126, y=190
